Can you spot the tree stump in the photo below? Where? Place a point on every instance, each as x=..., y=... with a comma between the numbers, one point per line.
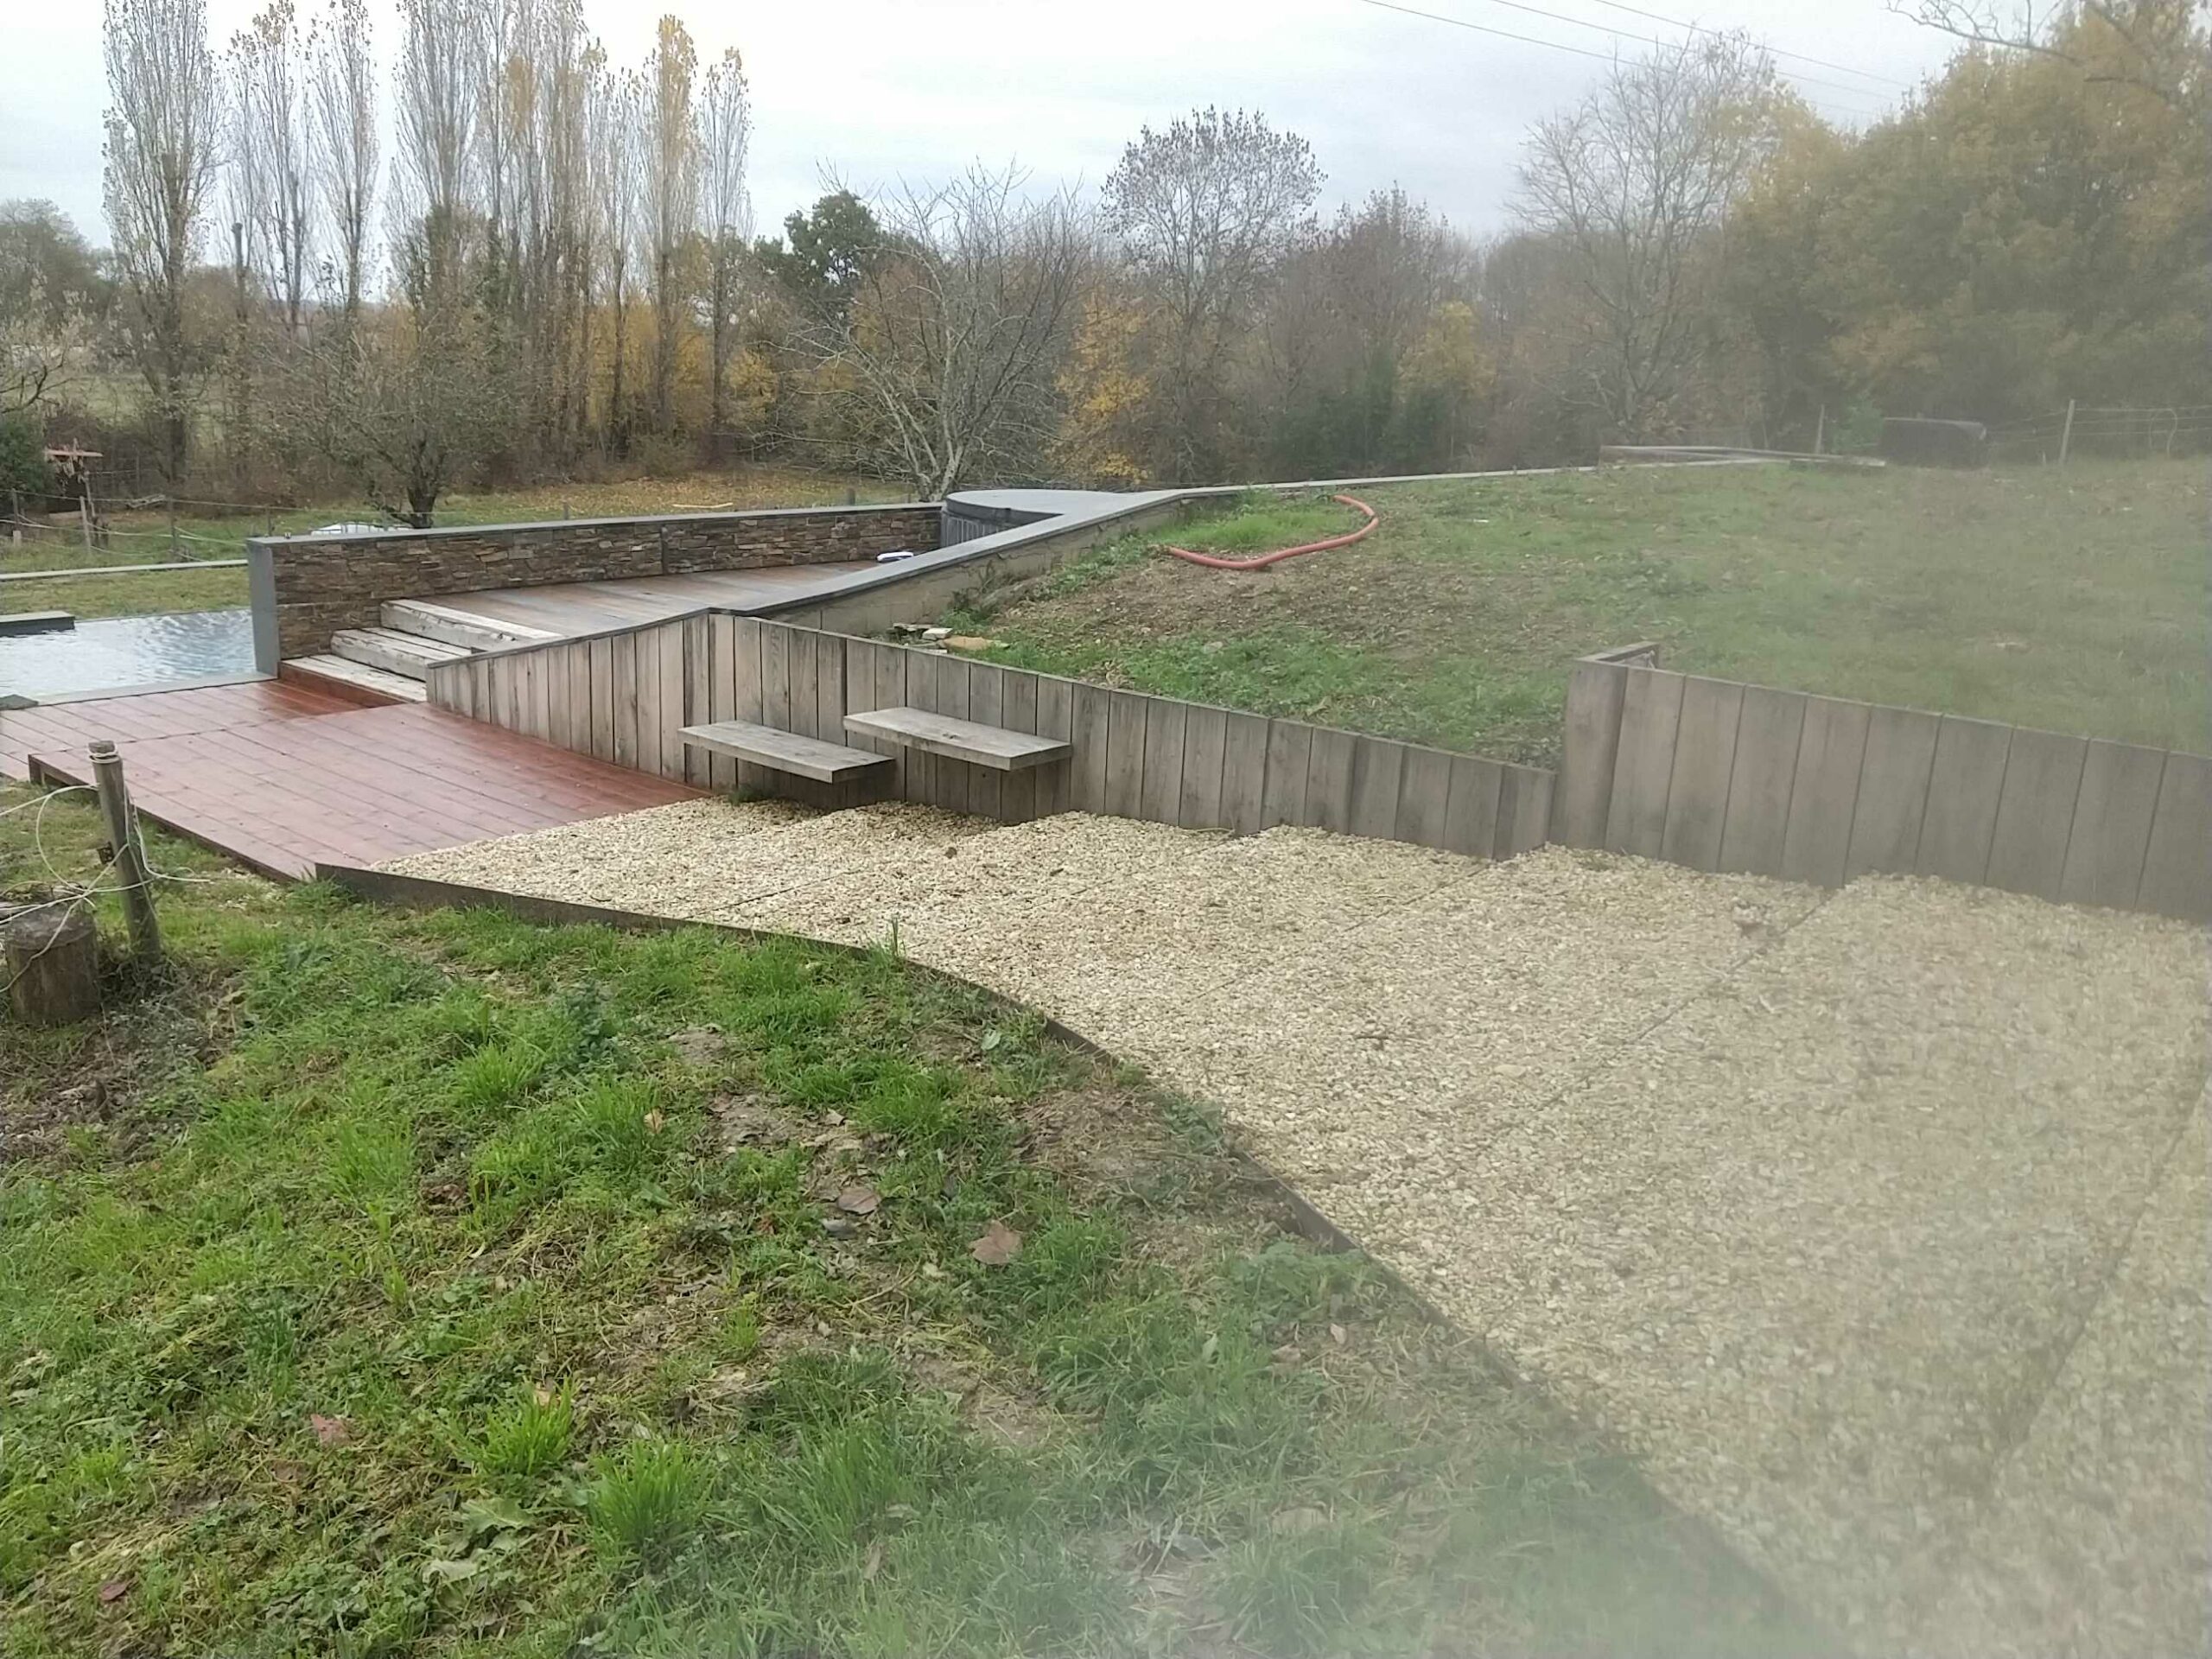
x=49, y=961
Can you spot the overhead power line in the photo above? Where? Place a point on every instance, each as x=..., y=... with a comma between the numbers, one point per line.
x=1584, y=52
x=1795, y=57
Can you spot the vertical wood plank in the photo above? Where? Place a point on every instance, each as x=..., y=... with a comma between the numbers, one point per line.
x=1378, y=769
x=1651, y=709
x=920, y=769
x=891, y=664
x=986, y=705
x=1892, y=790
x=2177, y=864
x=1055, y=718
x=1290, y=751
x=954, y=781
x=1756, y=827
x=1524, y=810
x=1018, y=713
x=1591, y=748
x=724, y=664
x=1963, y=787
x=1424, y=796
x=2111, y=832
x=1125, y=724
x=829, y=688
x=1160, y=790
x=1816, y=845
x=803, y=654
x=624, y=670
x=2035, y=812
x=647, y=656
x=775, y=677
x=1328, y=779
x=1089, y=731
x=602, y=698
x=671, y=654
x=1705, y=760
x=1471, y=805
x=698, y=696
x=1205, y=741
x=556, y=696
x=1244, y=772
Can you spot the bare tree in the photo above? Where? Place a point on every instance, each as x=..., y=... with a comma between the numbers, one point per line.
x=951, y=343
x=160, y=156
x=343, y=125
x=726, y=131
x=268, y=157
x=50, y=293
x=614, y=159
x=1205, y=211
x=440, y=94
x=2162, y=46
x=671, y=178
x=1633, y=185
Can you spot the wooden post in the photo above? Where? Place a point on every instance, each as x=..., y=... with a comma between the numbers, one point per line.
x=2066, y=434
x=129, y=863
x=1820, y=430
x=85, y=519
x=172, y=530
x=50, y=955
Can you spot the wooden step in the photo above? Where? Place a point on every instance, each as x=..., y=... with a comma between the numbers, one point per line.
x=958, y=739
x=458, y=627
x=394, y=651
x=804, y=757
x=354, y=682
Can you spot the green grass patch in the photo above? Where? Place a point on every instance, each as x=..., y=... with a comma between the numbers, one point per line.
x=2069, y=600
x=390, y=1284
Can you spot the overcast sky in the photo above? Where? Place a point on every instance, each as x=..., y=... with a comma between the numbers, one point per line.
x=882, y=89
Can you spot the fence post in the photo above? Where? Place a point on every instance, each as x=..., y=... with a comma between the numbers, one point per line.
x=2066, y=433
x=172, y=530
x=1820, y=430
x=130, y=863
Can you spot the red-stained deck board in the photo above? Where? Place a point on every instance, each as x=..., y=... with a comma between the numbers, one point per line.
x=280, y=776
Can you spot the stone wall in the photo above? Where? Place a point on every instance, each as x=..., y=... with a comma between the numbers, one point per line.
x=306, y=587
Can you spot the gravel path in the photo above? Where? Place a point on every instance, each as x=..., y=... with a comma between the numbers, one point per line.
x=1874, y=1222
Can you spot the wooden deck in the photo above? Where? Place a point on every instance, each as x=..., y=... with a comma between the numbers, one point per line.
x=279, y=776
x=566, y=609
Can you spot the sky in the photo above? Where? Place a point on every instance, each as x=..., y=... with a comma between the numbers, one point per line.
x=882, y=90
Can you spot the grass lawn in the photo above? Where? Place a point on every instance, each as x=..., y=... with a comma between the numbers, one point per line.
x=2072, y=600
x=144, y=538
x=448, y=1284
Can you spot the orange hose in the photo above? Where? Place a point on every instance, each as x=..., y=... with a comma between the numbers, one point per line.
x=1263, y=561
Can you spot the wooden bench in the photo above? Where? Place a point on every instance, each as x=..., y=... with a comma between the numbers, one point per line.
x=804, y=757
x=958, y=740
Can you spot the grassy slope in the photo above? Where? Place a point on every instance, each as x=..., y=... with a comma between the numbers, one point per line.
x=142, y=538
x=2073, y=600
x=448, y=1284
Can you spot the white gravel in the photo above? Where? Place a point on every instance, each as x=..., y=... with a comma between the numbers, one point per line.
x=1825, y=1204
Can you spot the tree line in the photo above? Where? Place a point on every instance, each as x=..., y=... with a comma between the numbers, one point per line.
x=555, y=269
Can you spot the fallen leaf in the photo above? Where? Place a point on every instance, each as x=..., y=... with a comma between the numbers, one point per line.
x=1337, y=1334
x=999, y=1245
x=992, y=1039
x=837, y=1227
x=114, y=1591
x=1210, y=1348
x=1288, y=1354
x=1289, y=1523
x=331, y=1431
x=874, y=1564
x=859, y=1200
x=655, y=1121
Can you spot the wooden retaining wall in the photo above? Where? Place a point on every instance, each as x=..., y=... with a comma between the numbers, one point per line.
x=623, y=697
x=1722, y=776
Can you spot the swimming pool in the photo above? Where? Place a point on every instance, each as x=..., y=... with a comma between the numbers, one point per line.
x=110, y=652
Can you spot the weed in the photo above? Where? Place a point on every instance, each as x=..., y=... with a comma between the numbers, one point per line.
x=643, y=1498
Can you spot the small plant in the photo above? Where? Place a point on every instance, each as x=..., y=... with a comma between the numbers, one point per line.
x=643, y=1498
x=529, y=1436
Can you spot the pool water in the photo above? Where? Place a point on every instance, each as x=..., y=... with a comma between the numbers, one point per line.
x=110, y=652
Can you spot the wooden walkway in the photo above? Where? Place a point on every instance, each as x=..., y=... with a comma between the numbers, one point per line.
x=279, y=776
x=574, y=608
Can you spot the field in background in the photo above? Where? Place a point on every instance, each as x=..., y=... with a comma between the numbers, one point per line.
x=2071, y=600
x=444, y=1284
x=218, y=533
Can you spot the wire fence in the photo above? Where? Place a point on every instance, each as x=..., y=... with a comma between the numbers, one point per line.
x=2113, y=430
